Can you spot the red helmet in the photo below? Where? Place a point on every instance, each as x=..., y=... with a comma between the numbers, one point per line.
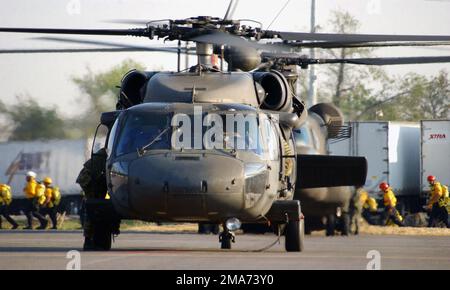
x=384, y=186
x=431, y=178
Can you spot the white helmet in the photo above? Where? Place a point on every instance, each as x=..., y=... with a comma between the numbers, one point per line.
x=31, y=174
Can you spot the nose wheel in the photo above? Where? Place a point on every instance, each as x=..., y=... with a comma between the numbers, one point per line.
x=226, y=238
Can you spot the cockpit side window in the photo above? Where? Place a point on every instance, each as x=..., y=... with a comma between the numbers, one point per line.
x=112, y=136
x=270, y=139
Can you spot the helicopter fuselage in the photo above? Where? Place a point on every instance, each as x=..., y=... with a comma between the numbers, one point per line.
x=195, y=146
x=166, y=183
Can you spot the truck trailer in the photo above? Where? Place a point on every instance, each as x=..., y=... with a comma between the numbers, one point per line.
x=393, y=154
x=434, y=152
x=59, y=159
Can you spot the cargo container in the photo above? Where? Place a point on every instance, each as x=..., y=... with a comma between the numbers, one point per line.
x=435, y=152
x=392, y=150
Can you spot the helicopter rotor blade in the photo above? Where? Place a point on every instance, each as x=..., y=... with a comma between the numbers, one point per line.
x=118, y=32
x=128, y=21
x=108, y=43
x=340, y=37
x=332, y=44
x=214, y=37
x=69, y=50
x=382, y=60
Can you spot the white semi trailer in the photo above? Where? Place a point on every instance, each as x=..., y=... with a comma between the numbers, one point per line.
x=392, y=150
x=59, y=159
x=435, y=152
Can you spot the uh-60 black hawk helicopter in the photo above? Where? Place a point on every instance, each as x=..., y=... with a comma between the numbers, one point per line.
x=151, y=177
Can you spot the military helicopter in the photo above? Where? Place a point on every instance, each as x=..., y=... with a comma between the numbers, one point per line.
x=325, y=123
x=159, y=169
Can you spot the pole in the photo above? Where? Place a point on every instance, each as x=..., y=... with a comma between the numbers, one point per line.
x=312, y=76
x=179, y=56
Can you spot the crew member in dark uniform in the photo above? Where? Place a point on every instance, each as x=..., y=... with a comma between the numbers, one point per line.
x=92, y=179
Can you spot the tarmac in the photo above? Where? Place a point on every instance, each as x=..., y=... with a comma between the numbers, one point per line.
x=144, y=250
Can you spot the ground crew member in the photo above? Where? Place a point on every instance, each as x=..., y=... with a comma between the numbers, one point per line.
x=355, y=209
x=5, y=201
x=35, y=196
x=390, y=202
x=52, y=199
x=437, y=205
x=362, y=206
x=370, y=208
x=92, y=179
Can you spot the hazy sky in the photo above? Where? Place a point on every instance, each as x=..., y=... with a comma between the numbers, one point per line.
x=47, y=76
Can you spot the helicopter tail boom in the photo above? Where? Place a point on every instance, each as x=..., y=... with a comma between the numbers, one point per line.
x=328, y=171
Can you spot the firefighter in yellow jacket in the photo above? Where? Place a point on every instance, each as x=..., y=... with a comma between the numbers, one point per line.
x=438, y=202
x=35, y=197
x=390, y=202
x=52, y=199
x=5, y=201
x=369, y=207
x=362, y=205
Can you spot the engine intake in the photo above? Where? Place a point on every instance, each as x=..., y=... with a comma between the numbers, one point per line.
x=131, y=89
x=277, y=92
x=333, y=118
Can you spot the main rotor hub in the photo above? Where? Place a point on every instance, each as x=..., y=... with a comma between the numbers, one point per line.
x=183, y=29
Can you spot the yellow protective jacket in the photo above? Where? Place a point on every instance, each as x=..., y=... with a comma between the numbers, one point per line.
x=30, y=189
x=40, y=194
x=36, y=191
x=371, y=204
x=363, y=197
x=368, y=202
x=5, y=194
x=49, y=196
x=52, y=196
x=436, y=192
x=389, y=198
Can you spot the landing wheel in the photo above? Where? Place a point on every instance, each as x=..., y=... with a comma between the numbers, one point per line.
x=102, y=237
x=225, y=239
x=331, y=225
x=295, y=236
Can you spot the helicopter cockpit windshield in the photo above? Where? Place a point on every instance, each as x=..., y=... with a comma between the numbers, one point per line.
x=227, y=132
x=142, y=130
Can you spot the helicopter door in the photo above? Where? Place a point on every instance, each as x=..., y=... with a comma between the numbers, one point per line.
x=100, y=139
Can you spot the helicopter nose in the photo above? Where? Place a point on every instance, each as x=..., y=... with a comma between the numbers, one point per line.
x=183, y=187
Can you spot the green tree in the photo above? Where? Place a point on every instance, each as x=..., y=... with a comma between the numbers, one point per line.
x=417, y=97
x=30, y=121
x=101, y=89
x=350, y=87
